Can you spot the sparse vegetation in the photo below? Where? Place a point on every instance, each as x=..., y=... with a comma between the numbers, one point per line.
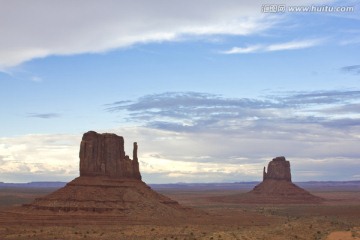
x=224, y=221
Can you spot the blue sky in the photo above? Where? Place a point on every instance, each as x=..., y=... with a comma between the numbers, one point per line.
x=210, y=90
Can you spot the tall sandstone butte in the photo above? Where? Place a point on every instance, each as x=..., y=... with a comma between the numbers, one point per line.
x=109, y=182
x=278, y=169
x=104, y=155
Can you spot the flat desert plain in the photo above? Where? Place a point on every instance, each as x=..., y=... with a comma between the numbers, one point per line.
x=338, y=217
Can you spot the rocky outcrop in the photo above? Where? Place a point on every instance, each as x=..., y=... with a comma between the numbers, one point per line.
x=278, y=169
x=102, y=194
x=276, y=188
x=104, y=155
x=109, y=182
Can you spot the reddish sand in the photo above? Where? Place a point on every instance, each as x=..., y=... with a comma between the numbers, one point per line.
x=337, y=216
x=344, y=235
x=128, y=198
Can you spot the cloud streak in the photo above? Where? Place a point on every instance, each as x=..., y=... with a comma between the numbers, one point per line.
x=354, y=69
x=43, y=115
x=192, y=111
x=292, y=45
x=323, y=126
x=76, y=27
x=241, y=50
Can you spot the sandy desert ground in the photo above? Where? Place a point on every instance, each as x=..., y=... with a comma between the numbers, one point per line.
x=336, y=218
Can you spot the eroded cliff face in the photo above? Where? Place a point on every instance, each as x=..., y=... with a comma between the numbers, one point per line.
x=278, y=169
x=104, y=155
x=109, y=182
x=277, y=187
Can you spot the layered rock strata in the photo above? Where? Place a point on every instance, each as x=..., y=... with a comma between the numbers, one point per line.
x=278, y=169
x=277, y=186
x=109, y=182
x=104, y=155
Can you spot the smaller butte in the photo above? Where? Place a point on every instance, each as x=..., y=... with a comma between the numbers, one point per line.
x=276, y=188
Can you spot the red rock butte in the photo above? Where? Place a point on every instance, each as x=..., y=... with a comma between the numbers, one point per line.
x=109, y=182
x=104, y=155
x=276, y=188
x=278, y=169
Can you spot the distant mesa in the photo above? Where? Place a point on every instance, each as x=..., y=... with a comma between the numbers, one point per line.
x=275, y=188
x=109, y=182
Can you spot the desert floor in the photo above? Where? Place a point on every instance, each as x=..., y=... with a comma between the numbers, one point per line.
x=337, y=218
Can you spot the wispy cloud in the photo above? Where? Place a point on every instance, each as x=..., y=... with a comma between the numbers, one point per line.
x=20, y=74
x=36, y=79
x=248, y=49
x=353, y=40
x=191, y=111
x=317, y=97
x=43, y=115
x=74, y=27
x=355, y=69
x=292, y=45
x=349, y=108
x=318, y=125
x=39, y=157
